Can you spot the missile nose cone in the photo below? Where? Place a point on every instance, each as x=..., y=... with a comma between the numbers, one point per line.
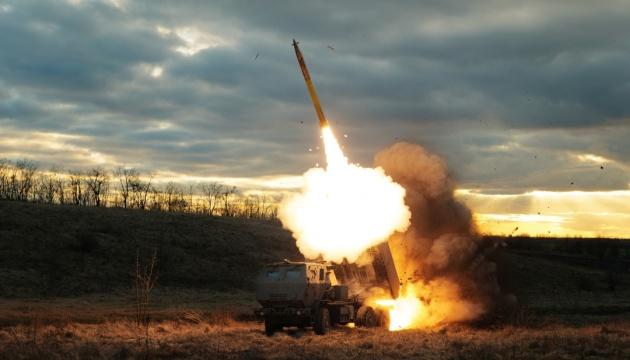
x=309, y=85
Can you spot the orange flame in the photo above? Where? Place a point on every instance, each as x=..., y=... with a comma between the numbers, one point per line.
x=446, y=305
x=405, y=312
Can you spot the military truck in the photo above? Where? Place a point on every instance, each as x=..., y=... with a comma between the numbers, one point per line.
x=320, y=295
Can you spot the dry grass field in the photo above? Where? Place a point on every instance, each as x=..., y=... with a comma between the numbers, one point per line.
x=66, y=292
x=225, y=338
x=205, y=325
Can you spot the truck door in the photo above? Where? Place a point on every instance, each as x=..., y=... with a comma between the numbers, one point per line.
x=311, y=289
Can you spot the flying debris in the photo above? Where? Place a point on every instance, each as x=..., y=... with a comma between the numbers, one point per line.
x=323, y=123
x=601, y=167
x=256, y=57
x=331, y=48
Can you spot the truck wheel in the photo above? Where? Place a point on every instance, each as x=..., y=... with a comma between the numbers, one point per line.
x=270, y=326
x=367, y=317
x=383, y=318
x=322, y=321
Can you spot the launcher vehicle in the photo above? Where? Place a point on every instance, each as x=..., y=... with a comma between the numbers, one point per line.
x=320, y=295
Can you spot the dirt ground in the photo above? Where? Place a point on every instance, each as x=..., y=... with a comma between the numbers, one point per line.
x=216, y=325
x=193, y=338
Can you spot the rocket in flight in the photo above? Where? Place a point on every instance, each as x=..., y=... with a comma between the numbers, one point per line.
x=323, y=123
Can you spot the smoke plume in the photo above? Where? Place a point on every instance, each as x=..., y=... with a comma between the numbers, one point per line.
x=440, y=254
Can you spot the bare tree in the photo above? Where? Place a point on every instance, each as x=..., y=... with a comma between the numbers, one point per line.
x=140, y=190
x=4, y=178
x=157, y=200
x=60, y=187
x=191, y=200
x=97, y=182
x=175, y=200
x=212, y=194
x=146, y=278
x=133, y=190
x=46, y=187
x=28, y=170
x=264, y=207
x=77, y=191
x=248, y=206
x=126, y=178
x=170, y=194
x=227, y=196
x=21, y=180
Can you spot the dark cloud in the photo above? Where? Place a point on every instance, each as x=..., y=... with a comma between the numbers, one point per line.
x=489, y=85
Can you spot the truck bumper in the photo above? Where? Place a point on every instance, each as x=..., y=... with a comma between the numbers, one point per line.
x=286, y=316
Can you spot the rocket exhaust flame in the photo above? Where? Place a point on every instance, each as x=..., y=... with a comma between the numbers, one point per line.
x=404, y=312
x=344, y=209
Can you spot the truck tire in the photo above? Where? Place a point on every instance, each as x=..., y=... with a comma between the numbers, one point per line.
x=383, y=318
x=322, y=321
x=271, y=326
x=366, y=316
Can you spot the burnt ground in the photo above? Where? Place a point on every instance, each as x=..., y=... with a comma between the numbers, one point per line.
x=66, y=277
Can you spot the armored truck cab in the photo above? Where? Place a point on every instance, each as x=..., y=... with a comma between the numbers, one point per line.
x=302, y=294
x=292, y=284
x=307, y=293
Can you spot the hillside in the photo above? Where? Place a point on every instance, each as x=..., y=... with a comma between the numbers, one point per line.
x=61, y=251
x=53, y=250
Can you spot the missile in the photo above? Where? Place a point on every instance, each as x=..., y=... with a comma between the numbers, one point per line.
x=309, y=85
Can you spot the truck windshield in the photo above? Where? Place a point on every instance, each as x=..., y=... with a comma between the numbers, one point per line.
x=285, y=273
x=295, y=274
x=274, y=275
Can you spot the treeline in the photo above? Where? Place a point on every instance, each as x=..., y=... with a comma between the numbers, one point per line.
x=127, y=188
x=598, y=248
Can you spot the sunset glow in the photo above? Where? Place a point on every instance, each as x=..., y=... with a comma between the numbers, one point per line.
x=549, y=213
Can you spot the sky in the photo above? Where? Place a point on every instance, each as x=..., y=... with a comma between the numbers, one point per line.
x=528, y=101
